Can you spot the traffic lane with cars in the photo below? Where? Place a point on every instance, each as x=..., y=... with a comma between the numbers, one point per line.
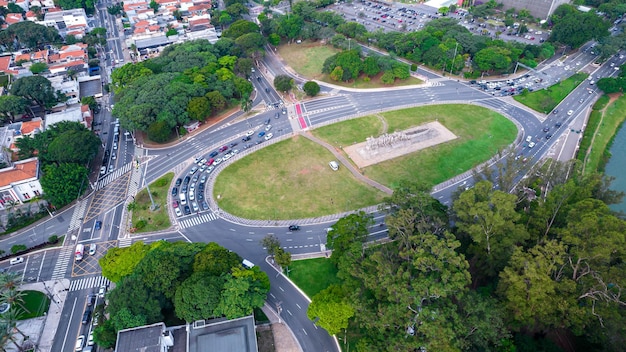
x=72, y=327
x=39, y=233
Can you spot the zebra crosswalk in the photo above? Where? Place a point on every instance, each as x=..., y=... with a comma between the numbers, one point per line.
x=88, y=282
x=125, y=242
x=66, y=254
x=197, y=220
x=106, y=179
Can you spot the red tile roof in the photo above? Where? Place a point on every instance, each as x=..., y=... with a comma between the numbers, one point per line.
x=19, y=172
x=29, y=126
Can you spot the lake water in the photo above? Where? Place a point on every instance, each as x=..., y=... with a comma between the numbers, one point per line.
x=616, y=166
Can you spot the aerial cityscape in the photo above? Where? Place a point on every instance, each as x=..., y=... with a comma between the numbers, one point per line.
x=273, y=176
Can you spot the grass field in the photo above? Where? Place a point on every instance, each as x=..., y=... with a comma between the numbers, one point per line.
x=146, y=220
x=290, y=180
x=480, y=131
x=545, y=100
x=313, y=275
x=350, y=131
x=36, y=304
x=308, y=58
x=614, y=116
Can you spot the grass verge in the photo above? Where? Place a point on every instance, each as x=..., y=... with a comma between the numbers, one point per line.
x=292, y=180
x=146, y=220
x=308, y=59
x=613, y=117
x=481, y=133
x=36, y=304
x=313, y=275
x=350, y=131
x=545, y=100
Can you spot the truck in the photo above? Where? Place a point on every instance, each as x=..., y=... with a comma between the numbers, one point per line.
x=79, y=252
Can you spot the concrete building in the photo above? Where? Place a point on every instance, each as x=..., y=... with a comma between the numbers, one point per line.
x=72, y=21
x=538, y=8
x=76, y=113
x=217, y=335
x=20, y=182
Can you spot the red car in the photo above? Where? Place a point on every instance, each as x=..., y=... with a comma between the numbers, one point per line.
x=210, y=162
x=224, y=148
x=175, y=204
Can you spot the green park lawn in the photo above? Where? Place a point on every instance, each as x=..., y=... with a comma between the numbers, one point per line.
x=481, y=134
x=545, y=100
x=308, y=58
x=602, y=133
x=290, y=180
x=146, y=220
x=36, y=304
x=313, y=275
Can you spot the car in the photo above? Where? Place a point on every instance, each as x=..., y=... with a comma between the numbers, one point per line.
x=546, y=129
x=531, y=144
x=201, y=162
x=210, y=162
x=175, y=204
x=569, y=113
x=294, y=227
x=269, y=136
x=284, y=111
x=267, y=122
x=178, y=212
x=555, y=111
x=113, y=156
x=200, y=196
x=217, y=161
x=203, y=179
x=249, y=133
x=548, y=136
x=114, y=145
x=98, y=225
x=235, y=151
x=581, y=101
x=194, y=179
x=193, y=170
x=92, y=249
x=214, y=153
x=202, y=168
x=91, y=299
x=103, y=170
x=277, y=115
x=192, y=195
x=208, y=171
x=194, y=205
x=261, y=134
x=184, y=188
x=17, y=260
x=558, y=124
x=223, y=148
x=80, y=342
x=187, y=210
x=87, y=316
x=529, y=138
x=232, y=144
x=334, y=165
x=227, y=156
x=201, y=186
x=111, y=168
x=178, y=182
x=268, y=127
x=90, y=339
x=94, y=320
x=192, y=187
x=102, y=291
x=174, y=191
x=205, y=206
x=186, y=180
x=245, y=139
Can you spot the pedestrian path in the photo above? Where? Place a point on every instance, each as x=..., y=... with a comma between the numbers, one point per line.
x=77, y=218
x=106, y=179
x=66, y=254
x=125, y=242
x=89, y=282
x=197, y=220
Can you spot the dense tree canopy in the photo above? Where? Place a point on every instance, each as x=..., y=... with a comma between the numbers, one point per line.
x=574, y=28
x=28, y=34
x=37, y=89
x=188, y=281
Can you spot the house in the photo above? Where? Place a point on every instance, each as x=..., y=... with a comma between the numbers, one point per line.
x=68, y=86
x=20, y=182
x=66, y=21
x=74, y=113
x=12, y=18
x=219, y=335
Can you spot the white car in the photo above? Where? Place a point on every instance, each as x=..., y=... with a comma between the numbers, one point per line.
x=268, y=136
x=529, y=139
x=268, y=127
x=113, y=156
x=90, y=339
x=210, y=169
x=226, y=157
x=531, y=144
x=217, y=161
x=569, y=113
x=102, y=291
x=249, y=133
x=194, y=205
x=80, y=342
x=236, y=151
x=15, y=261
x=178, y=212
x=103, y=170
x=192, y=195
x=203, y=179
x=201, y=162
x=115, y=145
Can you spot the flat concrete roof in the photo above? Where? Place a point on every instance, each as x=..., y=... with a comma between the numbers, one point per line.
x=237, y=335
x=141, y=339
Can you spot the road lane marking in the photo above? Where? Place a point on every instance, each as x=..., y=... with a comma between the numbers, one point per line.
x=302, y=329
x=290, y=313
x=297, y=305
x=281, y=288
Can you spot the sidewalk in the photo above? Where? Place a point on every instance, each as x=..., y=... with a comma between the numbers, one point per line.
x=43, y=329
x=284, y=339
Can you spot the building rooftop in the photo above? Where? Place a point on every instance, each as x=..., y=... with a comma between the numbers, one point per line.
x=21, y=171
x=140, y=339
x=236, y=335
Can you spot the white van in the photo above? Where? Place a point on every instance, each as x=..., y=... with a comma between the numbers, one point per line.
x=248, y=264
x=334, y=165
x=79, y=253
x=183, y=199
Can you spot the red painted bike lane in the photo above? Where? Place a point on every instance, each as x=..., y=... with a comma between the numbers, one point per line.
x=300, y=117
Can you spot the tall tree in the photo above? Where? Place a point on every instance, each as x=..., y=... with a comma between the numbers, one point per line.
x=198, y=296
x=10, y=106
x=118, y=263
x=37, y=89
x=349, y=229
x=331, y=310
x=64, y=183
